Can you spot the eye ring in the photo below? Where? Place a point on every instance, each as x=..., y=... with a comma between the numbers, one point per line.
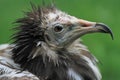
x=58, y=28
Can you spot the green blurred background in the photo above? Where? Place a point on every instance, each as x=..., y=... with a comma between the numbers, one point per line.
x=102, y=46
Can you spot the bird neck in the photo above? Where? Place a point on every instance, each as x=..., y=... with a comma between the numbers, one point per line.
x=61, y=64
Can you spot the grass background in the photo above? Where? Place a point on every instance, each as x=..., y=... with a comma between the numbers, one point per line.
x=106, y=11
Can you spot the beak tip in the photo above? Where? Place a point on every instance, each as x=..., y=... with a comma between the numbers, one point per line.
x=104, y=28
x=111, y=34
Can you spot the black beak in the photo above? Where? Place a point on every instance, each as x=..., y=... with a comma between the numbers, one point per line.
x=92, y=27
x=104, y=29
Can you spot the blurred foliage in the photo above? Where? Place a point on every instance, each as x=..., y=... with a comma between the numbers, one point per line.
x=106, y=11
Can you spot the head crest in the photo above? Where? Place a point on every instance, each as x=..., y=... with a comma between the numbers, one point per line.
x=52, y=3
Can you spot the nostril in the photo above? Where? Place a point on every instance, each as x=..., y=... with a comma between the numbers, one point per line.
x=85, y=23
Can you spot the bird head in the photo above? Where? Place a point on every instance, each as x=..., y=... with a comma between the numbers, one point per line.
x=47, y=29
x=56, y=28
x=63, y=29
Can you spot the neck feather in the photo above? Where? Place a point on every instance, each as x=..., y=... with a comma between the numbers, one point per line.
x=46, y=63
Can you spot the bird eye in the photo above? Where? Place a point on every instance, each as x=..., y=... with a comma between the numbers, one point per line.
x=58, y=28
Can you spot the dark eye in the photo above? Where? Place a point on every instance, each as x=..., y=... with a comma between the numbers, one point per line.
x=58, y=28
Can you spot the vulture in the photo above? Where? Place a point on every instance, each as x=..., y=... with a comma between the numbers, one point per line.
x=47, y=46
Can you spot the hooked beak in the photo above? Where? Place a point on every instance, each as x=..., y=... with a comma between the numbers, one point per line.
x=92, y=27
x=83, y=27
x=104, y=29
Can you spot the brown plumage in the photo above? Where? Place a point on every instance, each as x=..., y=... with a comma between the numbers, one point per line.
x=47, y=45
